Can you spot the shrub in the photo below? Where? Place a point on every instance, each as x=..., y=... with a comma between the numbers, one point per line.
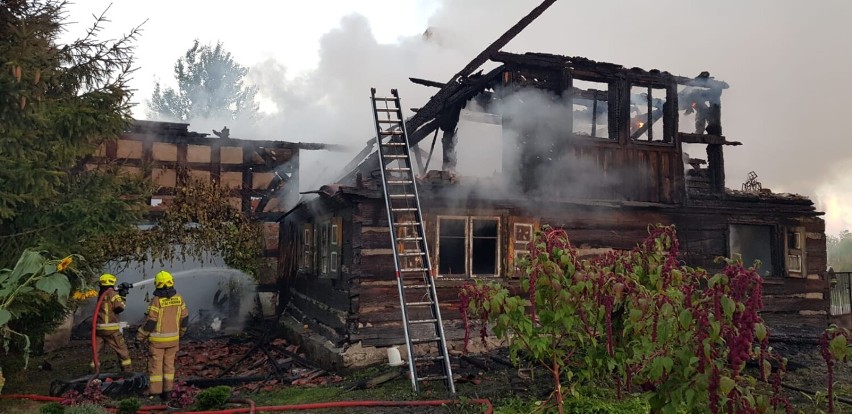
x=52, y=408
x=637, y=319
x=129, y=406
x=212, y=398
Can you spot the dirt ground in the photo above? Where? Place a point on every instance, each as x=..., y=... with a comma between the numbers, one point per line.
x=500, y=383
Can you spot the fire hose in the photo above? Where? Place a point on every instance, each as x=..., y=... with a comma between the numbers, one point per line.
x=252, y=408
x=95, y=360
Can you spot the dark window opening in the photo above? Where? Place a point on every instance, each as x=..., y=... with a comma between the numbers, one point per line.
x=646, y=114
x=484, y=248
x=752, y=243
x=793, y=240
x=589, y=103
x=452, y=246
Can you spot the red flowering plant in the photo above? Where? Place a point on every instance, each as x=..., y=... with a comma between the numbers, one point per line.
x=637, y=319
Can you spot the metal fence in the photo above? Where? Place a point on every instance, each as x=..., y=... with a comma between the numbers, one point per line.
x=841, y=294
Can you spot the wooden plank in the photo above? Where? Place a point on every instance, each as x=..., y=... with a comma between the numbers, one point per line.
x=792, y=304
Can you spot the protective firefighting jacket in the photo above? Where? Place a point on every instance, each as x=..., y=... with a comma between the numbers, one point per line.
x=167, y=319
x=111, y=306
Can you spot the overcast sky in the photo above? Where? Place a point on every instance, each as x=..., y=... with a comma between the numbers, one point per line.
x=787, y=63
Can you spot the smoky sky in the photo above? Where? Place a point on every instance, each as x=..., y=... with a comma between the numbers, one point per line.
x=786, y=62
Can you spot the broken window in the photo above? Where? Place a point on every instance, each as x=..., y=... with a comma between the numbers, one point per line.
x=451, y=242
x=589, y=103
x=468, y=246
x=484, y=246
x=698, y=110
x=646, y=114
x=334, y=247
x=795, y=251
x=752, y=242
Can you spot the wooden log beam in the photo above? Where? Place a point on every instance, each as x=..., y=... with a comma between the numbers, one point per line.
x=438, y=102
x=426, y=82
x=690, y=138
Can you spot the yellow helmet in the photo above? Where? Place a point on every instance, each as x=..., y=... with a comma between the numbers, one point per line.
x=163, y=279
x=107, y=280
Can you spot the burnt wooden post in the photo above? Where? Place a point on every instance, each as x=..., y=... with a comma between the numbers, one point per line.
x=449, y=124
x=715, y=158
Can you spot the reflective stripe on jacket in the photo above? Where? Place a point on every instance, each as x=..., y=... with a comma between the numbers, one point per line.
x=166, y=320
x=111, y=305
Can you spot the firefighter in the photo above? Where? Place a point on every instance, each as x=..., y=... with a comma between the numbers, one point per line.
x=165, y=323
x=108, y=329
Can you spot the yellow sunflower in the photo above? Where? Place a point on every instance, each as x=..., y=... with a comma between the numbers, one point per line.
x=64, y=263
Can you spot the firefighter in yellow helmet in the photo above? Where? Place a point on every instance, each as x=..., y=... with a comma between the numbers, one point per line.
x=108, y=329
x=165, y=323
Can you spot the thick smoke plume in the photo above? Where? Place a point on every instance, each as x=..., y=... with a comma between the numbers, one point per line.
x=785, y=104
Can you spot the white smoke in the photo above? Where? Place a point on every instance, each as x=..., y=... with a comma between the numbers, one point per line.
x=784, y=105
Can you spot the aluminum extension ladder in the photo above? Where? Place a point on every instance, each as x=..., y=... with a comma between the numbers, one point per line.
x=421, y=317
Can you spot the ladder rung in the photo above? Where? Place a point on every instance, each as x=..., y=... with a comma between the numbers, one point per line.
x=415, y=286
x=400, y=181
x=425, y=340
x=412, y=254
x=401, y=195
x=407, y=223
x=413, y=269
x=429, y=303
x=421, y=321
x=396, y=133
x=394, y=144
x=398, y=169
x=404, y=209
x=396, y=156
x=384, y=99
x=390, y=121
x=409, y=239
x=429, y=358
x=432, y=378
x=388, y=109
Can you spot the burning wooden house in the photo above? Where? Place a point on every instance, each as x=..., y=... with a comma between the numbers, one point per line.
x=594, y=148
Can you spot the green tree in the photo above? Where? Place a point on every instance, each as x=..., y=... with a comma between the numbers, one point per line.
x=840, y=251
x=58, y=104
x=210, y=85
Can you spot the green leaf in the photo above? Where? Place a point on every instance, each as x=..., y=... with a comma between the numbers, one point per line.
x=56, y=282
x=838, y=348
x=760, y=331
x=29, y=263
x=5, y=316
x=685, y=318
x=726, y=384
x=728, y=306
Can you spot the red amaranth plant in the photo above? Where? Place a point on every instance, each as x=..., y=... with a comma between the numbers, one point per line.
x=637, y=318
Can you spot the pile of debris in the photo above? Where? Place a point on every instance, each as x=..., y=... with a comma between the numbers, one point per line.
x=252, y=366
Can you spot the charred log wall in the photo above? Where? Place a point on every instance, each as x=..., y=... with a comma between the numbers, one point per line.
x=362, y=304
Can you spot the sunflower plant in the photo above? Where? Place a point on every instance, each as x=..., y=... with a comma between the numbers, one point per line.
x=35, y=283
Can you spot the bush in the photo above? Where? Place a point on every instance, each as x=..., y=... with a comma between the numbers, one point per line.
x=52, y=408
x=638, y=320
x=129, y=406
x=213, y=398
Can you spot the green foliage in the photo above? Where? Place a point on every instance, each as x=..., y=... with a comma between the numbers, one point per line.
x=636, y=319
x=210, y=85
x=840, y=251
x=129, y=406
x=58, y=103
x=588, y=405
x=33, y=299
x=212, y=398
x=85, y=409
x=199, y=220
x=52, y=408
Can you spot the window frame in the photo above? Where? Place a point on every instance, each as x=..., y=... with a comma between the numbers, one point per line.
x=669, y=137
x=778, y=262
x=468, y=243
